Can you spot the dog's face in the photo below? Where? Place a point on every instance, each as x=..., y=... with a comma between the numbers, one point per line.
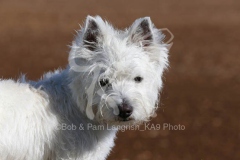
x=118, y=73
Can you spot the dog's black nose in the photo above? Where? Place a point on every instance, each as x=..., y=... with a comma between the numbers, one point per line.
x=125, y=110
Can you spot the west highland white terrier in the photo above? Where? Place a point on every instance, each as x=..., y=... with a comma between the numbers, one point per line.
x=113, y=78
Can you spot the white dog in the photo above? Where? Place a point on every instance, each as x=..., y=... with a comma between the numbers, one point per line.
x=113, y=78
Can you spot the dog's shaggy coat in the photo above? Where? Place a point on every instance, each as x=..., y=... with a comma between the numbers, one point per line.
x=126, y=68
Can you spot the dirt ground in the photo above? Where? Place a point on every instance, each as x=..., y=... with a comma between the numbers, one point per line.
x=201, y=90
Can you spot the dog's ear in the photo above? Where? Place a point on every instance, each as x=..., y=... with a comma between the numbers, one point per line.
x=91, y=34
x=141, y=32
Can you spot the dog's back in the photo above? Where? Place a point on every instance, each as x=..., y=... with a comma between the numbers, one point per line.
x=23, y=113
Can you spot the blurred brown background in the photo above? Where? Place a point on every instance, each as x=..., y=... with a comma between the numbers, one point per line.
x=201, y=87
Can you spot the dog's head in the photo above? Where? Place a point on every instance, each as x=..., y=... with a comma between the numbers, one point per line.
x=116, y=75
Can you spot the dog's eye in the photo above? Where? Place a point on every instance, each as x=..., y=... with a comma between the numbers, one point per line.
x=138, y=79
x=104, y=82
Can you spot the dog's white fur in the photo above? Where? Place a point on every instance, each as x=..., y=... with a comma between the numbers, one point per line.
x=31, y=112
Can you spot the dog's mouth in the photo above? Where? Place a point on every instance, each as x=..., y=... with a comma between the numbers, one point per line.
x=124, y=119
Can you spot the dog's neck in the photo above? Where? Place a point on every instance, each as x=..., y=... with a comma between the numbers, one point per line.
x=56, y=86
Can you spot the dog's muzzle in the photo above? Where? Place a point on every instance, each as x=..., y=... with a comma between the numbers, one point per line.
x=125, y=110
